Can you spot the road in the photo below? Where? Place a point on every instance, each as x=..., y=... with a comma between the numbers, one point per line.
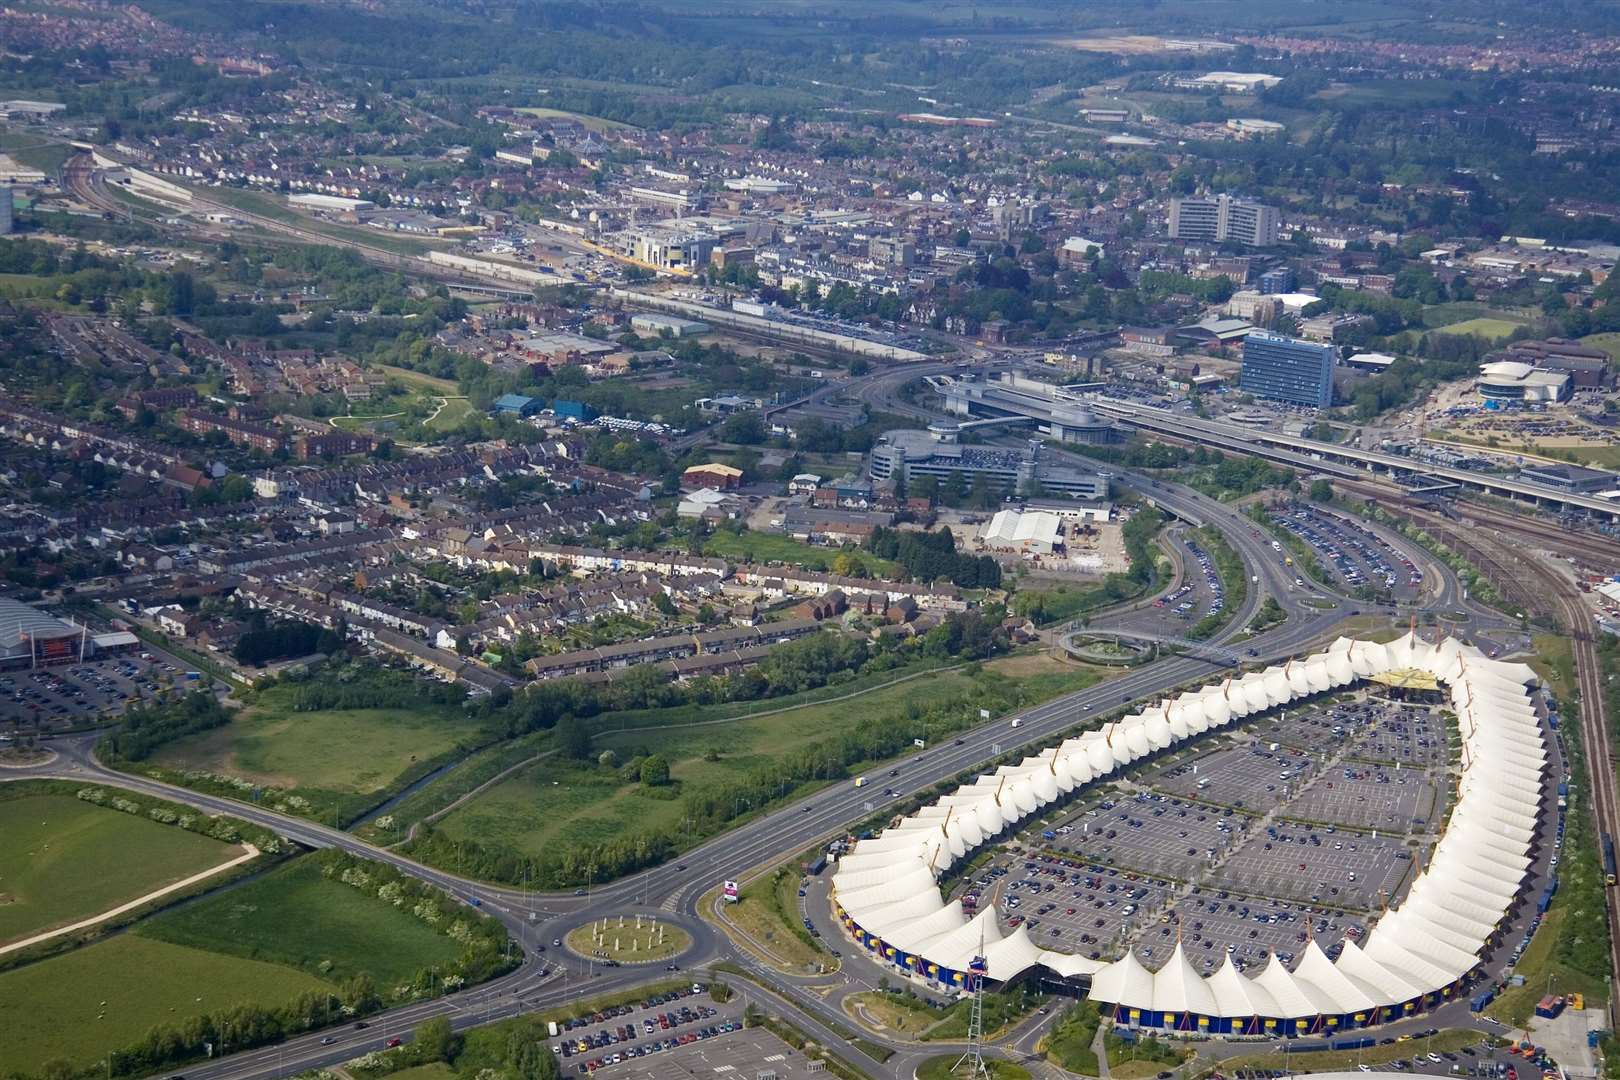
x=673, y=891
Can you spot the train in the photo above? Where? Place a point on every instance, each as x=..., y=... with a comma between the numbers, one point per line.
x=1608, y=859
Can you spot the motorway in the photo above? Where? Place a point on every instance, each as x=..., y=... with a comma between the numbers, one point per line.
x=674, y=890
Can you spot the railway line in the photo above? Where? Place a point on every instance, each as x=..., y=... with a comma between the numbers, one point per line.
x=1501, y=546
x=80, y=176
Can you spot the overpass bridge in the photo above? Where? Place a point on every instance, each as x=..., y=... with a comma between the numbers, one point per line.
x=1333, y=459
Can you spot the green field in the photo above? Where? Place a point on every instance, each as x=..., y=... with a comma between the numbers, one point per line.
x=325, y=755
x=39, y=291
x=298, y=918
x=432, y=383
x=436, y=1070
x=1495, y=329
x=773, y=547
x=1609, y=343
x=79, y=1005
x=591, y=123
x=556, y=801
x=456, y=409
x=1398, y=92
x=63, y=860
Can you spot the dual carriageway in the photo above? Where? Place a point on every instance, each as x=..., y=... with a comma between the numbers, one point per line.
x=676, y=890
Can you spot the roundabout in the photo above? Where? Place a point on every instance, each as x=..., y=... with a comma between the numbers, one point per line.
x=628, y=939
x=1112, y=650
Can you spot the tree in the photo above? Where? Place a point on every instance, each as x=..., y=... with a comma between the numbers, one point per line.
x=655, y=770
x=744, y=428
x=572, y=738
x=848, y=564
x=434, y=1040
x=1321, y=491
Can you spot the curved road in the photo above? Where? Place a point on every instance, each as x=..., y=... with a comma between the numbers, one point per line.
x=672, y=891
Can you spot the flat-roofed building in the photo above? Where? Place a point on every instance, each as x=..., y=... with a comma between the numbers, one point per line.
x=1223, y=219
x=1569, y=477
x=1287, y=369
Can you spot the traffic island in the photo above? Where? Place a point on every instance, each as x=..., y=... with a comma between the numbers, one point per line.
x=940, y=1068
x=628, y=939
x=1111, y=651
x=25, y=757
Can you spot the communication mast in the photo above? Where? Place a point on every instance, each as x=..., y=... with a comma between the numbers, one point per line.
x=973, y=1058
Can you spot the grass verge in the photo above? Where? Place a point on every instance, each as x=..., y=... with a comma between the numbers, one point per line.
x=1446, y=1041
x=940, y=1068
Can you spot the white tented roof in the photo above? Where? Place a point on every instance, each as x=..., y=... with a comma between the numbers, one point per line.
x=888, y=884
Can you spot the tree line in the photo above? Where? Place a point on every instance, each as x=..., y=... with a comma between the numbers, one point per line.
x=150, y=725
x=932, y=556
x=710, y=808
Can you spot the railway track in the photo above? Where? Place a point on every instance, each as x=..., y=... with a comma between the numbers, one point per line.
x=1520, y=573
x=1598, y=551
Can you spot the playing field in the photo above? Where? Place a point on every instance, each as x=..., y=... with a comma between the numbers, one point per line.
x=63, y=860
x=1495, y=329
x=297, y=917
x=79, y=1005
x=597, y=124
x=349, y=751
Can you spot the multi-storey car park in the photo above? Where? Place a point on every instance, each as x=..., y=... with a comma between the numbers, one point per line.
x=1394, y=959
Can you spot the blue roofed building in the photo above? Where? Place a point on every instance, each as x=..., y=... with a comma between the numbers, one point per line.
x=516, y=405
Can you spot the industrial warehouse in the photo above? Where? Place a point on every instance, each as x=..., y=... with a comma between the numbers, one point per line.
x=1417, y=953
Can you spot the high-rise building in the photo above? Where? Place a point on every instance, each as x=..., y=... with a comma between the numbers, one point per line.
x=1223, y=218
x=1278, y=280
x=1196, y=219
x=6, y=223
x=1287, y=369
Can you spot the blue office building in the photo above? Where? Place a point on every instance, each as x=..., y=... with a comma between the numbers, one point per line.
x=1279, y=280
x=1287, y=369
